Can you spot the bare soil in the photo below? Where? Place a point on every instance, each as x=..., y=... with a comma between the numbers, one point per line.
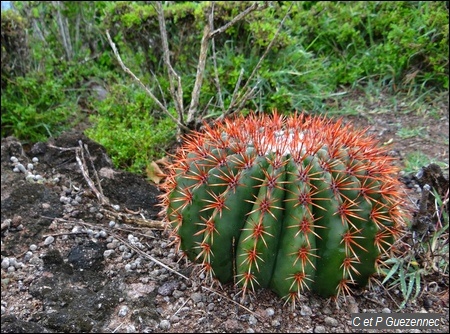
x=73, y=261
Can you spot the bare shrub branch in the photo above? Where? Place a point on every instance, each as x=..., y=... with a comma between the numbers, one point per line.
x=147, y=90
x=240, y=95
x=176, y=93
x=192, y=114
x=238, y=17
x=193, y=119
x=214, y=58
x=248, y=92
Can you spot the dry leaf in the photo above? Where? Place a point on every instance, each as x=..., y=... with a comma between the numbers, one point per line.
x=164, y=161
x=154, y=173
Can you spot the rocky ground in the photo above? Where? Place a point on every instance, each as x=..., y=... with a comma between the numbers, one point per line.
x=79, y=256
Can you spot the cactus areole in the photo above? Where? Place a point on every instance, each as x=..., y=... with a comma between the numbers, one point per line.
x=284, y=202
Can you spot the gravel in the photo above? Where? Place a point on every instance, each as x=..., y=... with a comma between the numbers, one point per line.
x=68, y=265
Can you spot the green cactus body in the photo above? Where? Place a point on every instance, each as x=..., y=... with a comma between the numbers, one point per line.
x=286, y=203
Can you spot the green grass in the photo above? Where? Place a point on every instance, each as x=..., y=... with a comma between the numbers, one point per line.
x=428, y=255
x=132, y=133
x=405, y=133
x=416, y=160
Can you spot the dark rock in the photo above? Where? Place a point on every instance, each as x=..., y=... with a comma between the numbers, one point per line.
x=10, y=324
x=87, y=256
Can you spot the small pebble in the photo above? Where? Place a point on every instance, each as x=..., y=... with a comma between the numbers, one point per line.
x=19, y=265
x=107, y=253
x=27, y=256
x=127, y=255
x=5, y=262
x=111, y=245
x=270, y=311
x=252, y=320
x=320, y=329
x=35, y=160
x=64, y=199
x=331, y=321
x=305, y=310
x=6, y=223
x=196, y=297
x=112, y=223
x=12, y=261
x=177, y=294
x=77, y=229
x=164, y=325
x=14, y=159
x=33, y=247
x=275, y=323
x=48, y=240
x=123, y=311
x=21, y=168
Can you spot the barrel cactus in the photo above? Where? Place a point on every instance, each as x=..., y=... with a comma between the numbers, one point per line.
x=284, y=202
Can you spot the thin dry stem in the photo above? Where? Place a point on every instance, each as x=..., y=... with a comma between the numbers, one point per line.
x=84, y=146
x=214, y=58
x=176, y=92
x=192, y=113
x=237, y=18
x=248, y=92
x=146, y=89
x=79, y=156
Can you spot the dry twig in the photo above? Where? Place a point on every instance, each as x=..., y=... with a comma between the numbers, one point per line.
x=146, y=89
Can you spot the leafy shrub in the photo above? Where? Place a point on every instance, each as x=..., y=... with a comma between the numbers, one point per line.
x=132, y=134
x=35, y=108
x=290, y=77
x=397, y=42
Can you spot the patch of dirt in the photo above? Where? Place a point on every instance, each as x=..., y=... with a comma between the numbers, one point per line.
x=75, y=261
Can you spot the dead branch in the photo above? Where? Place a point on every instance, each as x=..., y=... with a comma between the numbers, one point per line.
x=84, y=146
x=133, y=220
x=176, y=90
x=177, y=93
x=148, y=91
x=248, y=92
x=214, y=58
x=128, y=217
x=192, y=113
x=63, y=30
x=144, y=254
x=82, y=164
x=208, y=35
x=238, y=17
